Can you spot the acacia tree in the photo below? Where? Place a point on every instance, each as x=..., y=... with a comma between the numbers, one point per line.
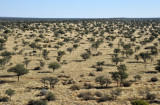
x=10, y=92
x=19, y=69
x=137, y=77
x=45, y=54
x=145, y=57
x=116, y=60
x=121, y=75
x=101, y=80
x=122, y=72
x=52, y=81
x=54, y=65
x=115, y=76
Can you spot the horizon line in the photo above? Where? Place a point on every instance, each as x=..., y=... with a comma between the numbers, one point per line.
x=76, y=17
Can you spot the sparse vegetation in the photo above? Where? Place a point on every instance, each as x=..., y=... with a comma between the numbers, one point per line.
x=94, y=60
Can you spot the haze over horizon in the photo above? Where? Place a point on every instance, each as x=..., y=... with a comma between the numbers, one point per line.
x=80, y=9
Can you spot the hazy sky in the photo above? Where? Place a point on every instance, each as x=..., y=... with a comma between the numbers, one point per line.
x=80, y=8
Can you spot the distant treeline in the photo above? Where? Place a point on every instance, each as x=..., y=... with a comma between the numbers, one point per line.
x=19, y=19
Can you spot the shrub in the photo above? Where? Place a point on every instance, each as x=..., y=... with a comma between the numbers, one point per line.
x=115, y=93
x=137, y=77
x=54, y=65
x=151, y=96
x=126, y=84
x=10, y=92
x=104, y=98
x=4, y=99
x=88, y=85
x=91, y=74
x=86, y=95
x=85, y=56
x=75, y=87
x=98, y=94
x=37, y=102
x=139, y=102
x=50, y=97
x=154, y=79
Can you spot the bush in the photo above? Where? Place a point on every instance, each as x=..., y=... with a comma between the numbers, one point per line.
x=151, y=96
x=86, y=95
x=4, y=99
x=154, y=79
x=50, y=97
x=139, y=102
x=104, y=98
x=74, y=87
x=37, y=102
x=91, y=74
x=88, y=86
x=98, y=94
x=126, y=84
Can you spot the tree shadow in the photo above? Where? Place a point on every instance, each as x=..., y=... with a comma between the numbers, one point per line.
x=6, y=81
x=109, y=65
x=37, y=88
x=135, y=62
x=98, y=87
x=151, y=72
x=78, y=60
x=3, y=76
x=45, y=72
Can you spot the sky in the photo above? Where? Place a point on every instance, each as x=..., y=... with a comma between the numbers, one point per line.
x=80, y=8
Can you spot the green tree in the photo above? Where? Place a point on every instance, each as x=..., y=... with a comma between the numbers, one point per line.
x=61, y=53
x=145, y=57
x=50, y=97
x=70, y=49
x=44, y=81
x=137, y=77
x=122, y=68
x=2, y=41
x=117, y=50
x=52, y=81
x=10, y=92
x=19, y=69
x=59, y=58
x=100, y=64
x=75, y=46
x=85, y=56
x=101, y=80
x=116, y=60
x=115, y=76
x=33, y=45
x=139, y=102
x=54, y=65
x=6, y=54
x=45, y=54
